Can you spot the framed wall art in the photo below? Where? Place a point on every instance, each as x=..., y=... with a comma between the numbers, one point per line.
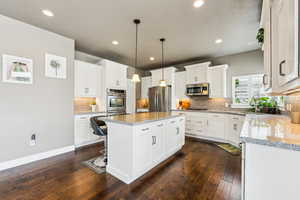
x=17, y=69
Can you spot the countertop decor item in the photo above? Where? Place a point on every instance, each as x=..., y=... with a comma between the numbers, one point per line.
x=17, y=69
x=295, y=117
x=94, y=106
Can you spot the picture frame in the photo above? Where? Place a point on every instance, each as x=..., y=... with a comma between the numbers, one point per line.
x=55, y=66
x=17, y=69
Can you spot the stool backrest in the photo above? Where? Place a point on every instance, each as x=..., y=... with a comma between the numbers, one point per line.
x=98, y=126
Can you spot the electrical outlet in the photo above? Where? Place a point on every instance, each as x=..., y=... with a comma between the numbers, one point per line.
x=32, y=141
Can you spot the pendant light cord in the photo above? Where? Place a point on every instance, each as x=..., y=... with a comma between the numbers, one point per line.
x=162, y=58
x=136, y=44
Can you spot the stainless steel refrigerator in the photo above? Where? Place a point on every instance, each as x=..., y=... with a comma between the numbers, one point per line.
x=160, y=99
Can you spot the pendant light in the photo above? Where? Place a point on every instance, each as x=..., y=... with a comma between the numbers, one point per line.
x=136, y=77
x=162, y=81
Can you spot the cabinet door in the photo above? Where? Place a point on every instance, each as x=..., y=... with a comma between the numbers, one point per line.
x=267, y=79
x=81, y=79
x=143, y=149
x=156, y=77
x=197, y=75
x=216, y=126
x=171, y=136
x=180, y=85
x=146, y=83
x=158, y=151
x=181, y=132
x=116, y=75
x=285, y=40
x=93, y=73
x=217, y=79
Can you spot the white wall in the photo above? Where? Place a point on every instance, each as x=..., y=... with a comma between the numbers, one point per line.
x=44, y=108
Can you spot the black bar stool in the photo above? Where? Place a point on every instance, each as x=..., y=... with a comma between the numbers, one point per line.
x=100, y=129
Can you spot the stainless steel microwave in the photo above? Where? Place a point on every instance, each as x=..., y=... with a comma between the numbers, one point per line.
x=201, y=89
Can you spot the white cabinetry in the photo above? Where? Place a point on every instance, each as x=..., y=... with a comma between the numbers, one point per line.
x=266, y=25
x=87, y=79
x=280, y=20
x=169, y=76
x=143, y=149
x=135, y=149
x=83, y=131
x=217, y=79
x=216, y=126
x=285, y=40
x=213, y=126
x=180, y=85
x=234, y=128
x=115, y=75
x=197, y=73
x=145, y=85
x=270, y=173
x=158, y=142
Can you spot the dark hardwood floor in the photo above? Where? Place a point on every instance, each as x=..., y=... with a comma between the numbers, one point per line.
x=201, y=171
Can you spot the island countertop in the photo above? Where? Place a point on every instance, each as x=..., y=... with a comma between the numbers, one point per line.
x=140, y=118
x=271, y=130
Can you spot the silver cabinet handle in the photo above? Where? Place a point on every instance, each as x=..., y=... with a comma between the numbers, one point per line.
x=160, y=125
x=145, y=129
x=86, y=90
x=264, y=79
x=172, y=122
x=83, y=118
x=188, y=120
x=235, y=127
x=280, y=68
x=117, y=82
x=153, y=142
x=177, y=129
x=181, y=120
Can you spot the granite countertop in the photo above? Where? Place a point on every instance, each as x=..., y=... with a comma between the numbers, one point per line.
x=140, y=118
x=231, y=111
x=271, y=130
x=89, y=113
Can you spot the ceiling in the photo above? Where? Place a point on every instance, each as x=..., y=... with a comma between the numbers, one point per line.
x=190, y=32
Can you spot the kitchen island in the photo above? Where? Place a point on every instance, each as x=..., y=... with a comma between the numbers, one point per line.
x=271, y=152
x=139, y=142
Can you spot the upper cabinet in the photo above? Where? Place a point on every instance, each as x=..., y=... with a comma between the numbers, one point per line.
x=180, y=85
x=87, y=77
x=285, y=40
x=266, y=24
x=169, y=76
x=217, y=79
x=280, y=22
x=145, y=85
x=197, y=73
x=115, y=75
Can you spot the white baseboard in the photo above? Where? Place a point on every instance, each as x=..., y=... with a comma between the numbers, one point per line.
x=35, y=157
x=88, y=143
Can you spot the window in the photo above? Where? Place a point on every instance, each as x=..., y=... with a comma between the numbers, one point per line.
x=246, y=87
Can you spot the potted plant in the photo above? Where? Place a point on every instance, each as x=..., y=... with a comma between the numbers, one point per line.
x=94, y=106
x=260, y=36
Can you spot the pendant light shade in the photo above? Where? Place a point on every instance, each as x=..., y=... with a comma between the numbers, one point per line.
x=162, y=82
x=136, y=77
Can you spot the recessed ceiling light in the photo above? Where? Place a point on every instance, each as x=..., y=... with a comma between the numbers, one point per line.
x=115, y=42
x=48, y=13
x=218, y=41
x=152, y=58
x=198, y=3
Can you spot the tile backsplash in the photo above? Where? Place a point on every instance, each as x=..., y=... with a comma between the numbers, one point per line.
x=205, y=102
x=83, y=104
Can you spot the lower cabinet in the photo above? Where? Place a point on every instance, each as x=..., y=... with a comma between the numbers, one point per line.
x=211, y=126
x=154, y=142
x=83, y=132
